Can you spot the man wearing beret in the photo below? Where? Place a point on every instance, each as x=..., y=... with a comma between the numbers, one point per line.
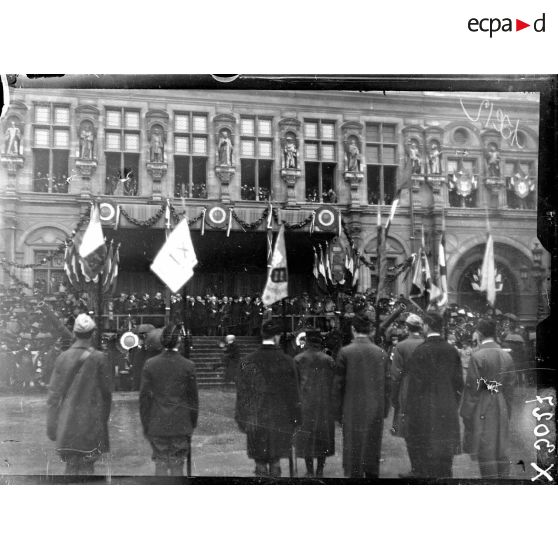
x=361, y=393
x=267, y=404
x=79, y=400
x=400, y=380
x=433, y=396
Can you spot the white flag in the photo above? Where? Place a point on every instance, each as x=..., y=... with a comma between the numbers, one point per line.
x=277, y=285
x=488, y=272
x=175, y=262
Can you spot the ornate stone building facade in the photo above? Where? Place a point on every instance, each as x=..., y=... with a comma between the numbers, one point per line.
x=469, y=156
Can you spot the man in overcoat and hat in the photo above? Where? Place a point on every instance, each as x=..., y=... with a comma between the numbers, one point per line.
x=361, y=392
x=169, y=404
x=433, y=397
x=487, y=403
x=79, y=400
x=399, y=373
x=267, y=404
x=316, y=437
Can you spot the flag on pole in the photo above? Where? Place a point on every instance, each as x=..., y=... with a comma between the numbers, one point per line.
x=381, y=257
x=443, y=270
x=68, y=264
x=108, y=267
x=114, y=270
x=175, y=262
x=488, y=272
x=277, y=284
x=92, y=249
x=391, y=216
x=321, y=266
x=356, y=273
x=329, y=275
x=75, y=261
x=417, y=285
x=315, y=271
x=434, y=293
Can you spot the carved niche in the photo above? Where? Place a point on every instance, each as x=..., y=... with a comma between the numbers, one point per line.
x=289, y=132
x=493, y=178
x=87, y=122
x=157, y=125
x=224, y=127
x=12, y=130
x=352, y=145
x=434, y=161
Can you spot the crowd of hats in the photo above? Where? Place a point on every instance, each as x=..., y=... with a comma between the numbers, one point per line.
x=22, y=320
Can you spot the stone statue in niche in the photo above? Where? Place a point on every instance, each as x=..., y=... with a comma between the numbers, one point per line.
x=353, y=156
x=156, y=146
x=12, y=139
x=493, y=161
x=290, y=152
x=225, y=149
x=415, y=156
x=434, y=159
x=86, y=140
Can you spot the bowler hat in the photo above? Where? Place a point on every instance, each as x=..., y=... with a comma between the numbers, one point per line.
x=270, y=328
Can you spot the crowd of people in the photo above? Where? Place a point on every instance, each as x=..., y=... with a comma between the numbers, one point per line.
x=58, y=183
x=36, y=327
x=286, y=404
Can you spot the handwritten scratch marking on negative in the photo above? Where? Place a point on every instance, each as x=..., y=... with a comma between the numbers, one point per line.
x=491, y=385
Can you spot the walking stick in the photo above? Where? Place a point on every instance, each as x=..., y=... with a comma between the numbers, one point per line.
x=189, y=459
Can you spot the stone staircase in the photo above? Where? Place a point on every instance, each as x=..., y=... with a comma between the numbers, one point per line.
x=208, y=357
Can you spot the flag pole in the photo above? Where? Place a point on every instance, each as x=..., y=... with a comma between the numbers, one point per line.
x=100, y=310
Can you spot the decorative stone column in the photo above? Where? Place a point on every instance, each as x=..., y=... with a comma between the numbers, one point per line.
x=352, y=174
x=289, y=133
x=224, y=129
x=157, y=126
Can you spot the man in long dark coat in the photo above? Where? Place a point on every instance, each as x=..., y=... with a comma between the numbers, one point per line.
x=435, y=387
x=169, y=404
x=361, y=391
x=316, y=437
x=402, y=358
x=79, y=400
x=267, y=405
x=487, y=404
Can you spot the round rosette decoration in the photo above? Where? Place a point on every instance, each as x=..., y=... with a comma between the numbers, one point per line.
x=217, y=216
x=326, y=218
x=107, y=212
x=129, y=340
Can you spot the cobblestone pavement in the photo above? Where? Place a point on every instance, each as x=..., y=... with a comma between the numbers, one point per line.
x=219, y=449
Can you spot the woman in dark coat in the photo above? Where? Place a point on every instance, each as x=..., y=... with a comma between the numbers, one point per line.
x=316, y=437
x=169, y=404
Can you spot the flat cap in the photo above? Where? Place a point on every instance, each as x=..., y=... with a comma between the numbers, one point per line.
x=84, y=323
x=414, y=320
